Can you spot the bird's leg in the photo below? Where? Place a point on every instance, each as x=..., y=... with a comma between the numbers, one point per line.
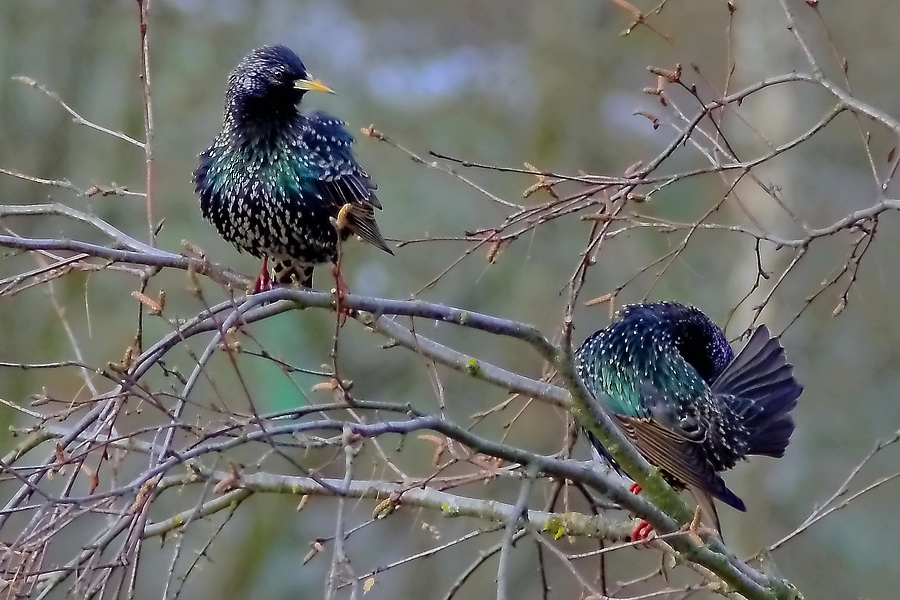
x=341, y=290
x=643, y=529
x=263, y=283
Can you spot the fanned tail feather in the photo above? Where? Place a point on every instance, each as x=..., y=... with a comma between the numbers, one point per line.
x=759, y=385
x=772, y=440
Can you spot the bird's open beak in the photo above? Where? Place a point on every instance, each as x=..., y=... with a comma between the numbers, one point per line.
x=313, y=85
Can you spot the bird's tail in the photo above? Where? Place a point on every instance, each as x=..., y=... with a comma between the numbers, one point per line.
x=759, y=385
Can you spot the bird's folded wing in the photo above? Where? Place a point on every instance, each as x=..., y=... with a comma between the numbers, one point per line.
x=683, y=459
x=340, y=180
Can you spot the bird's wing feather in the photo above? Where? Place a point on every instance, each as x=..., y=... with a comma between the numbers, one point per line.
x=339, y=179
x=681, y=457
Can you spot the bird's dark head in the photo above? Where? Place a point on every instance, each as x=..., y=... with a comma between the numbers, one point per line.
x=701, y=342
x=267, y=84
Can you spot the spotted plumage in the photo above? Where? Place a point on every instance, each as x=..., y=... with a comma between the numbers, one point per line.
x=674, y=386
x=274, y=181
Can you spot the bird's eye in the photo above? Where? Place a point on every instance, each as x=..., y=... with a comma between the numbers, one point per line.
x=280, y=77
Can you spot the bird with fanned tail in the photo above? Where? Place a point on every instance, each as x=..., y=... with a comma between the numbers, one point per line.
x=281, y=184
x=673, y=385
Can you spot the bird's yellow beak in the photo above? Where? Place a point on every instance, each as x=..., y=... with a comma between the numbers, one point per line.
x=313, y=85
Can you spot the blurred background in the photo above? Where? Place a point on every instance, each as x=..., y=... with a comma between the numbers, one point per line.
x=553, y=84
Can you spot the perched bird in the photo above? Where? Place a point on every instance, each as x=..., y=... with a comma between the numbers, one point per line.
x=280, y=184
x=671, y=381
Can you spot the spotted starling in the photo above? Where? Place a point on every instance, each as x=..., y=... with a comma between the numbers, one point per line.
x=281, y=184
x=671, y=381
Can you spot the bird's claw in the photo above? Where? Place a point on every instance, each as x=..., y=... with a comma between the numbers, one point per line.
x=642, y=531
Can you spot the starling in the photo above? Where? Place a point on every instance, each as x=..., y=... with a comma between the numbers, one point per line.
x=674, y=386
x=281, y=184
